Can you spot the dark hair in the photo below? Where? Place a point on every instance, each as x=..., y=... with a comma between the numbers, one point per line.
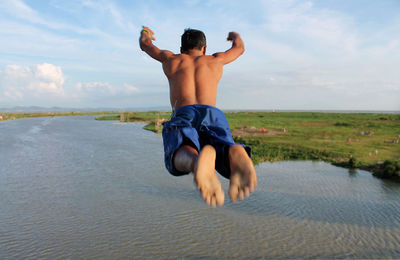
x=192, y=39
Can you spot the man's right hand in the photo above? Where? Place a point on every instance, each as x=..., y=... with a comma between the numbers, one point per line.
x=146, y=44
x=147, y=33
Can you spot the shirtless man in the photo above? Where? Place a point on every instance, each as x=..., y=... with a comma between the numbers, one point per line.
x=197, y=139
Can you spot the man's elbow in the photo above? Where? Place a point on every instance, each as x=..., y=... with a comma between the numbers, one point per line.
x=242, y=49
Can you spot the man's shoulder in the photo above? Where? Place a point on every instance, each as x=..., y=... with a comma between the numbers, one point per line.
x=175, y=57
x=187, y=59
x=185, y=56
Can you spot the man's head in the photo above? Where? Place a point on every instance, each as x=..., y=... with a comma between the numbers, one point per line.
x=193, y=39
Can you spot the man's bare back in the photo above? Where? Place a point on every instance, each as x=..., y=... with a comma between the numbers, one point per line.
x=193, y=80
x=193, y=76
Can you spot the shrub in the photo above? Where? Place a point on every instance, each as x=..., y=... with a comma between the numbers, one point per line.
x=341, y=124
x=389, y=170
x=352, y=162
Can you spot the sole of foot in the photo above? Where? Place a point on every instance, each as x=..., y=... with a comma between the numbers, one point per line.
x=205, y=178
x=243, y=178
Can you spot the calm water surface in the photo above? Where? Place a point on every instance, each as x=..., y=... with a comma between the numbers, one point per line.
x=77, y=188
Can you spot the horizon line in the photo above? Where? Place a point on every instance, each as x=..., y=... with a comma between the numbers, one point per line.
x=166, y=108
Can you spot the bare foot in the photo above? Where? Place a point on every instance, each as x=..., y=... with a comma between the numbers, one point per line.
x=243, y=178
x=206, y=180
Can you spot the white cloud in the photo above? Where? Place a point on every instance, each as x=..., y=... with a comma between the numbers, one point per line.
x=22, y=11
x=326, y=29
x=95, y=88
x=47, y=78
x=129, y=89
x=104, y=89
x=384, y=50
x=105, y=94
x=29, y=82
x=106, y=8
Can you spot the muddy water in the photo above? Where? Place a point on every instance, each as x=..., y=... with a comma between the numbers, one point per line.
x=73, y=187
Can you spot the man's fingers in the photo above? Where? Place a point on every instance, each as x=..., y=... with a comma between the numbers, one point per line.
x=150, y=32
x=145, y=27
x=231, y=36
x=148, y=29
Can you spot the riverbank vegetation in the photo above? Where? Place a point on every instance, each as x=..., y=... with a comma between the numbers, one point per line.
x=353, y=140
x=19, y=115
x=359, y=140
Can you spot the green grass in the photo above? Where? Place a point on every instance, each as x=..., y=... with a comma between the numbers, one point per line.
x=150, y=117
x=19, y=115
x=350, y=140
x=357, y=140
x=109, y=118
x=144, y=116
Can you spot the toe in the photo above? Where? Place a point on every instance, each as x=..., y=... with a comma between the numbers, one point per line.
x=203, y=194
x=213, y=202
x=221, y=200
x=247, y=192
x=241, y=195
x=233, y=193
x=208, y=200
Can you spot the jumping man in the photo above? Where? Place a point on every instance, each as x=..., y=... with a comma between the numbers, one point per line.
x=197, y=139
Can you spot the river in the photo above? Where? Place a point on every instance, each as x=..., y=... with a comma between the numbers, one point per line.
x=74, y=187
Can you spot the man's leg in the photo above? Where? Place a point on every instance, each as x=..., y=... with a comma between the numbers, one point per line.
x=243, y=177
x=187, y=159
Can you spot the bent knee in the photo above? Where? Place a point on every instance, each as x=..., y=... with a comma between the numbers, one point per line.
x=184, y=159
x=239, y=149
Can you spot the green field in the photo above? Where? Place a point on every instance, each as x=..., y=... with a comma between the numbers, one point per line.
x=368, y=138
x=18, y=115
x=357, y=140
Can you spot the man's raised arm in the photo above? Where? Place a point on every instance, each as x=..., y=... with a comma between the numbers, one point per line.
x=146, y=44
x=234, y=52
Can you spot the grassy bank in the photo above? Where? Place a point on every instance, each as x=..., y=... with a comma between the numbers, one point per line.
x=359, y=140
x=153, y=119
x=349, y=140
x=365, y=141
x=19, y=115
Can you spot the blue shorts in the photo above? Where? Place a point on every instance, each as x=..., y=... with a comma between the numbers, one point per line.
x=197, y=126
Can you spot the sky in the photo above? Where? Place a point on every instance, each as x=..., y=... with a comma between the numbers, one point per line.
x=300, y=55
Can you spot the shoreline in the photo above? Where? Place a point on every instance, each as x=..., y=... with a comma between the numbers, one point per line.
x=365, y=141
x=337, y=138
x=7, y=116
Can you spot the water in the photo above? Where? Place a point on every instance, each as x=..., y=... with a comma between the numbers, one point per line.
x=77, y=188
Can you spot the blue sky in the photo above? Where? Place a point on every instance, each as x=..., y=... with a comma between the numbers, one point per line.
x=331, y=54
